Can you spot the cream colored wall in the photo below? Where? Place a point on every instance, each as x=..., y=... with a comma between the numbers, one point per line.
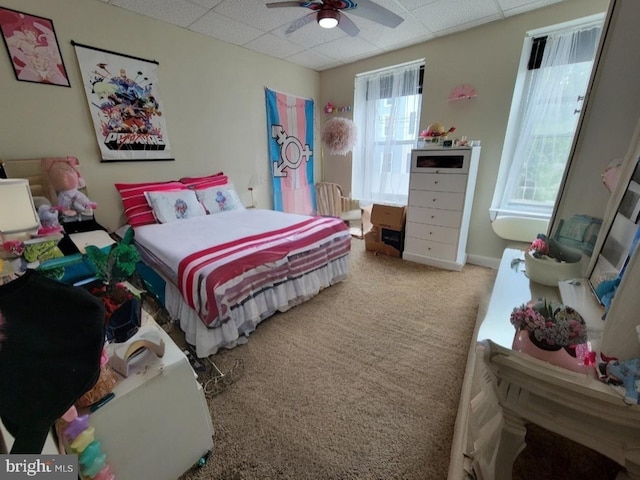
x=213, y=95
x=486, y=57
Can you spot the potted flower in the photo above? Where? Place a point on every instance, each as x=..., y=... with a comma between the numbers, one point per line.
x=548, y=262
x=112, y=267
x=550, y=326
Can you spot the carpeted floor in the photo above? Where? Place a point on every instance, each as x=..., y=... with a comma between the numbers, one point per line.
x=361, y=382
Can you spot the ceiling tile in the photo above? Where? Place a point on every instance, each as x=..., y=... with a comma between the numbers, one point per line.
x=208, y=4
x=515, y=7
x=413, y=4
x=219, y=26
x=256, y=14
x=274, y=46
x=348, y=47
x=314, y=60
x=382, y=36
x=445, y=14
x=177, y=12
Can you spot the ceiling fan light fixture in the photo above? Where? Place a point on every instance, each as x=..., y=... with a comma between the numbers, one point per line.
x=328, y=18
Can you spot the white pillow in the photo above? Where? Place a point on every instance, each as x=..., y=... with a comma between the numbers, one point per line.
x=169, y=206
x=219, y=198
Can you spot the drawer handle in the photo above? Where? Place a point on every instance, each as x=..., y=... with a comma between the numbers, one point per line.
x=433, y=216
x=436, y=182
x=434, y=200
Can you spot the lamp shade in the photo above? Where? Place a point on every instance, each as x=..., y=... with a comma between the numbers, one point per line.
x=328, y=18
x=18, y=214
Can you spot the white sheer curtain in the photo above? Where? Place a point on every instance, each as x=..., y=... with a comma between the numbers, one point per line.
x=387, y=115
x=537, y=149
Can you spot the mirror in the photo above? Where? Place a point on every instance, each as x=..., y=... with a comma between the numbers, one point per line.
x=619, y=243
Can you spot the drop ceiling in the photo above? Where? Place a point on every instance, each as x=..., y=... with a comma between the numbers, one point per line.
x=250, y=24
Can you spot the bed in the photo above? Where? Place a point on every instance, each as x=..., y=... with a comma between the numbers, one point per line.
x=228, y=270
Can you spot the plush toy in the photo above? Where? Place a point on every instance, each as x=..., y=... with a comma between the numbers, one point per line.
x=48, y=215
x=66, y=180
x=627, y=374
x=624, y=374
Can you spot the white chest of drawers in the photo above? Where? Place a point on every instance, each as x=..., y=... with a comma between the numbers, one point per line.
x=441, y=192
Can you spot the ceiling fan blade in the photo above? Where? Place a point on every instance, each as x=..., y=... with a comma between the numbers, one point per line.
x=301, y=22
x=377, y=13
x=347, y=26
x=312, y=5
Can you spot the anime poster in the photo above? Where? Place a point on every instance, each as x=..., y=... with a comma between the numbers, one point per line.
x=290, y=143
x=124, y=100
x=33, y=48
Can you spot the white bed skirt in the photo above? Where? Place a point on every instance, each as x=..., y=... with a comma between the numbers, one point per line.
x=246, y=317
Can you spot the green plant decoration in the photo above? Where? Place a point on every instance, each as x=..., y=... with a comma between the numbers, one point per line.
x=116, y=265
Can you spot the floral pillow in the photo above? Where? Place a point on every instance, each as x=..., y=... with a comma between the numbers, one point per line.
x=174, y=205
x=219, y=198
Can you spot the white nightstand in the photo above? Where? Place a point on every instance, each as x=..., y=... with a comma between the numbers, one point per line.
x=158, y=424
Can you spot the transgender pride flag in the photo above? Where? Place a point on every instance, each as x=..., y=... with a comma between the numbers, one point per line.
x=290, y=143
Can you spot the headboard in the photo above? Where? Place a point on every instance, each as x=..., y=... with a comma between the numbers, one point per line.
x=33, y=169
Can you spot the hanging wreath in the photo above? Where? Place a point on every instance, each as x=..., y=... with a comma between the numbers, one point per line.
x=339, y=135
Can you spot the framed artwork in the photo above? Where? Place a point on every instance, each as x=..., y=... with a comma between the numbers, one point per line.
x=33, y=48
x=123, y=95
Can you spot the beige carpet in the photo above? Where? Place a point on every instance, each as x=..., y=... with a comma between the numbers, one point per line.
x=361, y=382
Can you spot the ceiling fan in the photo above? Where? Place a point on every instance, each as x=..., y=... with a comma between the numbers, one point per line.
x=328, y=14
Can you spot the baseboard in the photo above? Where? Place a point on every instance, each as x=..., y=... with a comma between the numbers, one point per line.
x=483, y=261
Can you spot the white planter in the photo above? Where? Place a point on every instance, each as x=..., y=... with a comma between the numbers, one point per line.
x=548, y=271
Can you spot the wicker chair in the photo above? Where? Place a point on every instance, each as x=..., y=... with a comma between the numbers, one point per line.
x=331, y=201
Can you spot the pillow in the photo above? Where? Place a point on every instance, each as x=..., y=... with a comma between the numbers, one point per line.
x=169, y=206
x=219, y=198
x=215, y=179
x=136, y=208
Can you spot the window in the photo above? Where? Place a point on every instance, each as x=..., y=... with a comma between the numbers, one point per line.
x=387, y=115
x=555, y=70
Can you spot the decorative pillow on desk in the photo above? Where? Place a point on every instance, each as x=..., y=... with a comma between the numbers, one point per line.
x=174, y=205
x=219, y=198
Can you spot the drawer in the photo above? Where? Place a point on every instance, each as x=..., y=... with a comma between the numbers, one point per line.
x=427, y=248
x=434, y=216
x=439, y=182
x=433, y=232
x=431, y=199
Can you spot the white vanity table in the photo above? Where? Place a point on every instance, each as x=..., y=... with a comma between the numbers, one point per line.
x=509, y=389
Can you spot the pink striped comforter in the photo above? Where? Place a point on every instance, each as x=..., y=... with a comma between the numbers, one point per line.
x=215, y=279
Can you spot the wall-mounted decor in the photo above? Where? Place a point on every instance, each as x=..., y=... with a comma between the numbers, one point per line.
x=339, y=135
x=290, y=143
x=462, y=92
x=125, y=103
x=33, y=48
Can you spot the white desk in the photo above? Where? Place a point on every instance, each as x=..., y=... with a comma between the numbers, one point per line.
x=509, y=389
x=158, y=425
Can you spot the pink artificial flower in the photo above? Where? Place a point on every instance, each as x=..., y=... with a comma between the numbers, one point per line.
x=540, y=246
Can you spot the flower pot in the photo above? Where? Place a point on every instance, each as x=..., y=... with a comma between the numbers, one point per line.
x=543, y=345
x=559, y=357
x=124, y=321
x=123, y=311
x=548, y=271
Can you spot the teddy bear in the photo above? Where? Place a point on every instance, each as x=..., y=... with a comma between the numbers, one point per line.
x=66, y=181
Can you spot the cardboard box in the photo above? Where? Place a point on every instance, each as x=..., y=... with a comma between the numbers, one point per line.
x=387, y=231
x=391, y=217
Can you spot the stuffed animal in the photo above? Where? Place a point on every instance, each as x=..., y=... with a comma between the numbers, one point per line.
x=624, y=374
x=48, y=215
x=66, y=181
